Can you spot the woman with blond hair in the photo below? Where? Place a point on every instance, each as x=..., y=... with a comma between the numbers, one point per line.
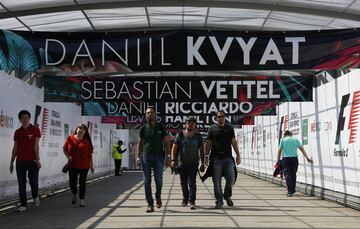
x=78, y=149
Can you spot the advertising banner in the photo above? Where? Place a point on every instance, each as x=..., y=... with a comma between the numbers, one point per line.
x=328, y=129
x=173, y=111
x=178, y=50
x=136, y=91
x=56, y=122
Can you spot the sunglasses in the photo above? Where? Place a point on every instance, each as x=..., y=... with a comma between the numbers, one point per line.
x=220, y=116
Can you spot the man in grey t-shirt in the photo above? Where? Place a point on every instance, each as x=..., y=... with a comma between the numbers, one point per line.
x=187, y=149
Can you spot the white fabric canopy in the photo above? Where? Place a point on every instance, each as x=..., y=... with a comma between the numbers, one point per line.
x=120, y=15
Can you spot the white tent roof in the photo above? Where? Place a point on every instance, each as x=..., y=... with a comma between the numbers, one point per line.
x=128, y=15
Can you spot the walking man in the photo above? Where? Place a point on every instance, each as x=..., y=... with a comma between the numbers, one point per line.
x=26, y=152
x=221, y=137
x=150, y=152
x=186, y=153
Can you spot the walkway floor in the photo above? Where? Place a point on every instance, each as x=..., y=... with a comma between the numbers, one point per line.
x=118, y=202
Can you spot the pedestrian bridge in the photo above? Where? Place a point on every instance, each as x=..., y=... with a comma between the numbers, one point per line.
x=119, y=202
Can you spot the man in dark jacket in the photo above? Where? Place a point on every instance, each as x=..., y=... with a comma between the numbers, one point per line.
x=221, y=137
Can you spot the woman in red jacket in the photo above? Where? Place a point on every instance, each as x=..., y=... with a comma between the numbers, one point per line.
x=78, y=149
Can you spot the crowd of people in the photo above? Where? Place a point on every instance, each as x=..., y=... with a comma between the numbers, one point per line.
x=187, y=157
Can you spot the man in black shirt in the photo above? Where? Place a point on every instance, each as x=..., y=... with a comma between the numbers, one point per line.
x=221, y=137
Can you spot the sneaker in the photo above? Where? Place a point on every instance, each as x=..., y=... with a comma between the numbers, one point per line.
x=74, y=200
x=150, y=209
x=158, y=203
x=219, y=205
x=36, y=201
x=21, y=209
x=192, y=205
x=184, y=203
x=229, y=202
x=82, y=203
x=290, y=194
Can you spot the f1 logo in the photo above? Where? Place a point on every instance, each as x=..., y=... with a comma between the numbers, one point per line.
x=353, y=121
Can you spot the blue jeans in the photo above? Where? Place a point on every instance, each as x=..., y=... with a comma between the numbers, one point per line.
x=155, y=162
x=33, y=174
x=291, y=166
x=223, y=167
x=188, y=181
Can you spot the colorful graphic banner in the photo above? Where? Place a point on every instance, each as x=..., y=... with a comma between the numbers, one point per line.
x=137, y=92
x=178, y=50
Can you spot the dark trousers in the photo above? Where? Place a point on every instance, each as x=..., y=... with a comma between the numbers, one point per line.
x=73, y=179
x=291, y=166
x=117, y=166
x=33, y=174
x=188, y=181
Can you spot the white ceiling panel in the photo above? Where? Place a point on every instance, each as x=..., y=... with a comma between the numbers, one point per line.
x=63, y=21
x=301, y=19
x=236, y=18
x=340, y=24
x=31, y=4
x=354, y=8
x=118, y=18
x=246, y=24
x=11, y=23
x=68, y=26
x=237, y=13
x=97, y=1
x=336, y=5
x=46, y=19
x=277, y=25
x=152, y=14
x=177, y=16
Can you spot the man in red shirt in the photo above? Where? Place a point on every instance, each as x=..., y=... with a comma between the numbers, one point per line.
x=26, y=152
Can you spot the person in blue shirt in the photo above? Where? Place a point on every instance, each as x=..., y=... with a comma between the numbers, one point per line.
x=288, y=149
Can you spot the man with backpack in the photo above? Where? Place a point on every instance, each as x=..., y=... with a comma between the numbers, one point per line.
x=186, y=152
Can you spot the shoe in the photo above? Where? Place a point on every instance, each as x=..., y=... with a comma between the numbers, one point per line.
x=21, y=209
x=290, y=194
x=192, y=205
x=74, y=200
x=36, y=201
x=158, y=203
x=117, y=175
x=82, y=203
x=184, y=203
x=150, y=209
x=219, y=205
x=229, y=202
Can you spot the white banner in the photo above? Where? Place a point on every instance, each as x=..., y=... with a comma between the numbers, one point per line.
x=55, y=121
x=329, y=128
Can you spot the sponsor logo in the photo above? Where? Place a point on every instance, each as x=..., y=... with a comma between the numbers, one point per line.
x=44, y=122
x=352, y=123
